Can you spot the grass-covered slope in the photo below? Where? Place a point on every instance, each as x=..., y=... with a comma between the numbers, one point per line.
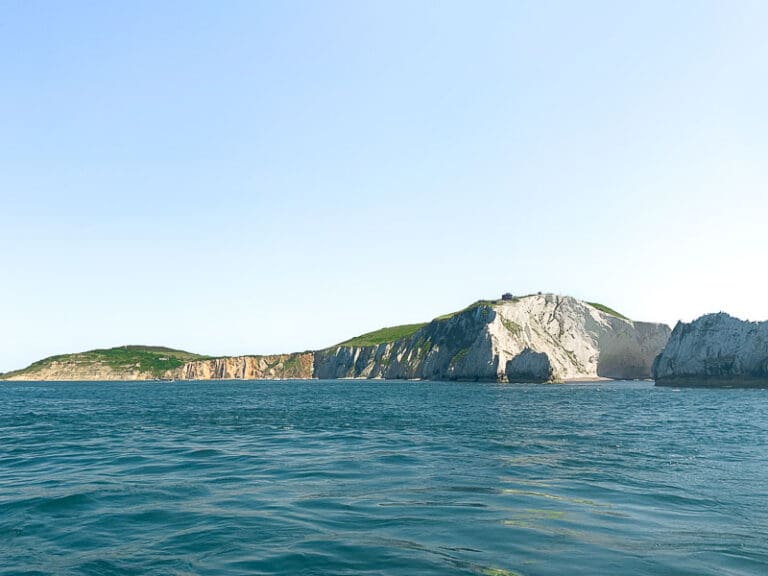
x=393, y=333
x=382, y=336
x=470, y=307
x=153, y=360
x=607, y=310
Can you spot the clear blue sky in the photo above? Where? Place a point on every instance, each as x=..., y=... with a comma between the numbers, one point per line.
x=256, y=177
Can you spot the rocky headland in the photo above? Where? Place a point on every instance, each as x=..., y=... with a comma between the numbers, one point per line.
x=534, y=338
x=715, y=350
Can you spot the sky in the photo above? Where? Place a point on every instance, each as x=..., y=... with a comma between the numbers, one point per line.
x=260, y=177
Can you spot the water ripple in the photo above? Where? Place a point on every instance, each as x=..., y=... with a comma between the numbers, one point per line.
x=382, y=478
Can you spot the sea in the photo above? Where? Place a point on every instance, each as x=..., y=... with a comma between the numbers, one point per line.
x=382, y=477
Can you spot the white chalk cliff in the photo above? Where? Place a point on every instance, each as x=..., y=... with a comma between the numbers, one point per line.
x=536, y=338
x=715, y=350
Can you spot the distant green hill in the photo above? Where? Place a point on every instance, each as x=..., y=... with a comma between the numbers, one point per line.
x=154, y=360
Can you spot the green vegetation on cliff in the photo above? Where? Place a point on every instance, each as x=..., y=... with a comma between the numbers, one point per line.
x=604, y=308
x=154, y=360
x=393, y=333
x=383, y=336
x=470, y=307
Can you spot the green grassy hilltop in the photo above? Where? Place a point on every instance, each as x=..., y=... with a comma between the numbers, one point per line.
x=154, y=360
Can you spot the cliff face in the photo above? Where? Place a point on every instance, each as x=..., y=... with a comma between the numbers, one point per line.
x=534, y=338
x=537, y=338
x=578, y=340
x=458, y=347
x=278, y=366
x=715, y=350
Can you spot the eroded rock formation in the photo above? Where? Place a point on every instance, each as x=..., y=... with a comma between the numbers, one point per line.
x=715, y=350
x=278, y=366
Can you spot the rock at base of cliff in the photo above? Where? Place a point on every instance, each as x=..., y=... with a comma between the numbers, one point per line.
x=530, y=366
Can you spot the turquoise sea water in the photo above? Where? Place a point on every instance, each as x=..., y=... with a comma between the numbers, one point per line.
x=382, y=478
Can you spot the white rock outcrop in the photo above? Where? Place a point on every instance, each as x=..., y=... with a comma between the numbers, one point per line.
x=715, y=350
x=537, y=338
